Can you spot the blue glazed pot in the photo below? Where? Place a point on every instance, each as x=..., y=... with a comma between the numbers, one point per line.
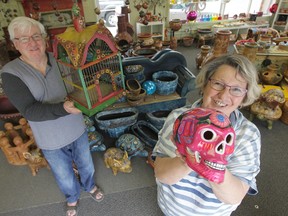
x=165, y=81
x=146, y=132
x=116, y=122
x=135, y=72
x=158, y=118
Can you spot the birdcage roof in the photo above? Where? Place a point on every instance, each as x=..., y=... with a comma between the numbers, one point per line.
x=76, y=43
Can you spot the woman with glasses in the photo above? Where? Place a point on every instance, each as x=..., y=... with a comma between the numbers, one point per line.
x=226, y=84
x=34, y=85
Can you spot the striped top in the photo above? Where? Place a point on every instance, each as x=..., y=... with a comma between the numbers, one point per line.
x=193, y=195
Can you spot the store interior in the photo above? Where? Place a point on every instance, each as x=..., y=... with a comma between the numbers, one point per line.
x=135, y=40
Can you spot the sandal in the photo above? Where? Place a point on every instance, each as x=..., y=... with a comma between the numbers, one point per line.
x=71, y=210
x=97, y=193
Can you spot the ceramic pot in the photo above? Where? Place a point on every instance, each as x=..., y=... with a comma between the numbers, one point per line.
x=187, y=41
x=271, y=75
x=175, y=24
x=158, y=118
x=221, y=44
x=146, y=132
x=165, y=81
x=116, y=122
x=146, y=52
x=133, y=87
x=135, y=72
x=205, y=49
x=250, y=50
x=173, y=43
x=145, y=39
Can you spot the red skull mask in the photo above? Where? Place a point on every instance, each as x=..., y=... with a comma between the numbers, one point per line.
x=206, y=138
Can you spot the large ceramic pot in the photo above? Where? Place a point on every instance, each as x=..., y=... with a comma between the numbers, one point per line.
x=116, y=122
x=165, y=81
x=221, y=44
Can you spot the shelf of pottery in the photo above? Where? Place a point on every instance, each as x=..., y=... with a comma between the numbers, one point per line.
x=156, y=29
x=280, y=20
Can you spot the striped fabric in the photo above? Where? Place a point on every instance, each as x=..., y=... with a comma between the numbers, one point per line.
x=193, y=195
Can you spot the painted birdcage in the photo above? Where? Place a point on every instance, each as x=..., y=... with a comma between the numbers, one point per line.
x=90, y=66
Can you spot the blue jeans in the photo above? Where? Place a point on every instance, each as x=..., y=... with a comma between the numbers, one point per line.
x=60, y=161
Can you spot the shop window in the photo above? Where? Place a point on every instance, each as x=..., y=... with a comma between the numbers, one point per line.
x=208, y=8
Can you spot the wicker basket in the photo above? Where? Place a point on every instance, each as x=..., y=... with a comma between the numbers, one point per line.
x=284, y=117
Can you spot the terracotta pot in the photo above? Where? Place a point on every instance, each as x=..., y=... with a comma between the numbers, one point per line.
x=221, y=44
x=175, y=24
x=205, y=49
x=133, y=87
x=271, y=75
x=146, y=52
x=250, y=50
x=187, y=41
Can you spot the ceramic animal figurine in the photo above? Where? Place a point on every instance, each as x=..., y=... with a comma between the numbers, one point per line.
x=132, y=145
x=95, y=138
x=117, y=160
x=35, y=160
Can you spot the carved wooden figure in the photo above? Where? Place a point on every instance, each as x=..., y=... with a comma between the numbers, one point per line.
x=21, y=147
x=11, y=156
x=35, y=160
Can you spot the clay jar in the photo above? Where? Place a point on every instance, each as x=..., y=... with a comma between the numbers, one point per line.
x=175, y=24
x=145, y=39
x=271, y=75
x=250, y=50
x=205, y=49
x=221, y=44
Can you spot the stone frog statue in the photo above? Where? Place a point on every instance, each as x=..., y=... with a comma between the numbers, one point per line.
x=35, y=160
x=117, y=160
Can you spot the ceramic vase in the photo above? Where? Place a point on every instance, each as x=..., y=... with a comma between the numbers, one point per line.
x=221, y=44
x=250, y=50
x=205, y=49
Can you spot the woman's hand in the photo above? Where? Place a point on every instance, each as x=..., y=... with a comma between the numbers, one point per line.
x=70, y=108
x=171, y=170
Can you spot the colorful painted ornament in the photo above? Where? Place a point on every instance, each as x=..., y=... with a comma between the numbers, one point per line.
x=206, y=138
x=192, y=15
x=149, y=86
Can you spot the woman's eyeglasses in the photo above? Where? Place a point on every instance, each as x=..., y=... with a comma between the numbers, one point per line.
x=220, y=86
x=35, y=37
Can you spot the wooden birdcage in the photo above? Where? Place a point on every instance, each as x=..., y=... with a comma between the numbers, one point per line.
x=90, y=66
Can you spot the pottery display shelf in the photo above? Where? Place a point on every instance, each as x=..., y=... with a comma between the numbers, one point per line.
x=276, y=55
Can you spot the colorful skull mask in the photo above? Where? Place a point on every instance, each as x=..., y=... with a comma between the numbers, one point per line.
x=206, y=138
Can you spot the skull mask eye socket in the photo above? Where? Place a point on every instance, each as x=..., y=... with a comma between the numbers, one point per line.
x=208, y=135
x=229, y=139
